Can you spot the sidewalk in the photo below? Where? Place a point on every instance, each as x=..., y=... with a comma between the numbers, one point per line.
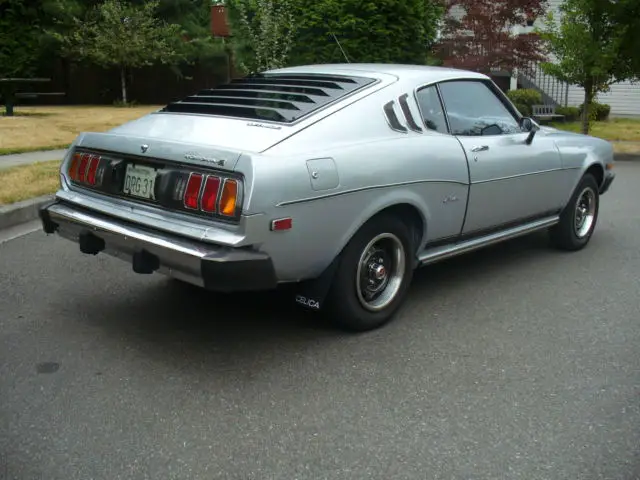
x=7, y=161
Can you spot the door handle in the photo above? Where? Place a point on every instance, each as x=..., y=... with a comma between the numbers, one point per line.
x=481, y=148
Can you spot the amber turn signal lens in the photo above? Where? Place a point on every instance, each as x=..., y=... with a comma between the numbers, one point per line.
x=229, y=197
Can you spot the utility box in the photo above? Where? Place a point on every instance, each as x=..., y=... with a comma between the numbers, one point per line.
x=219, y=21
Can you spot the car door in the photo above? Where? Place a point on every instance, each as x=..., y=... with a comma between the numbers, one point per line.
x=510, y=181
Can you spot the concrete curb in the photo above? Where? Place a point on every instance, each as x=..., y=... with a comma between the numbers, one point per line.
x=626, y=157
x=22, y=212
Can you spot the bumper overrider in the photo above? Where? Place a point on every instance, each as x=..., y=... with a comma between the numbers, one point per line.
x=214, y=267
x=608, y=180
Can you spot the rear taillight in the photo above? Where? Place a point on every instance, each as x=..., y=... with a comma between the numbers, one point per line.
x=92, y=169
x=84, y=169
x=212, y=194
x=229, y=198
x=192, y=192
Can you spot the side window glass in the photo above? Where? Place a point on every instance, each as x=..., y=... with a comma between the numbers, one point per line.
x=473, y=109
x=431, y=109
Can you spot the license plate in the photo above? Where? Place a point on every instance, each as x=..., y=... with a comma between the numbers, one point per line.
x=139, y=181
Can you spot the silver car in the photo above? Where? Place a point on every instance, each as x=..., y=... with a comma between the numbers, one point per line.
x=339, y=180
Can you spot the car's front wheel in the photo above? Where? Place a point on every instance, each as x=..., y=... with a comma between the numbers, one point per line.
x=578, y=220
x=374, y=273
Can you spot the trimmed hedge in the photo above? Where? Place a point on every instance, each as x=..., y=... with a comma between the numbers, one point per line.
x=571, y=114
x=599, y=111
x=525, y=96
x=524, y=109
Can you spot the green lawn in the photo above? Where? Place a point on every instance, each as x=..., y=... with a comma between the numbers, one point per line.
x=50, y=128
x=28, y=181
x=617, y=129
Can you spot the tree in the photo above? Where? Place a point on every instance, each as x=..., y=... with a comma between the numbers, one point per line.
x=482, y=35
x=628, y=13
x=336, y=31
x=263, y=33
x=20, y=37
x=126, y=36
x=194, y=18
x=390, y=31
x=588, y=44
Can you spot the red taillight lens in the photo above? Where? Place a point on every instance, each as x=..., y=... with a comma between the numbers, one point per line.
x=82, y=168
x=192, y=192
x=73, y=169
x=210, y=194
x=85, y=168
x=94, y=161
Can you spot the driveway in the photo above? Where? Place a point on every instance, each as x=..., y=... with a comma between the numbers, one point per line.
x=516, y=362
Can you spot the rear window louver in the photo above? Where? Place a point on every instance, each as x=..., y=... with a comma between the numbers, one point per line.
x=271, y=97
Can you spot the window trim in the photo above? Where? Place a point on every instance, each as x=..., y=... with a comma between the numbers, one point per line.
x=490, y=84
x=424, y=86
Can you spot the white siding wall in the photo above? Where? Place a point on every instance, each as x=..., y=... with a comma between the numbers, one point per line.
x=624, y=98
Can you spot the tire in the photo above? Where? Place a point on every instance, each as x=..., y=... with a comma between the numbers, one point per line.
x=347, y=304
x=578, y=219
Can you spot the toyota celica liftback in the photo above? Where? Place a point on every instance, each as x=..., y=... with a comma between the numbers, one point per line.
x=339, y=180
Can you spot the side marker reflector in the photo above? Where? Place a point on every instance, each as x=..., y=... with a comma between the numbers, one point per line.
x=281, y=224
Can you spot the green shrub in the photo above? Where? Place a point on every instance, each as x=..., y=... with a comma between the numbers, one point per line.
x=599, y=111
x=524, y=109
x=571, y=114
x=525, y=96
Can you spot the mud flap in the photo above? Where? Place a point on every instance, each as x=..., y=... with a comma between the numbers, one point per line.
x=310, y=294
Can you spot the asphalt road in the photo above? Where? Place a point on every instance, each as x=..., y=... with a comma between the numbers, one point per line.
x=518, y=362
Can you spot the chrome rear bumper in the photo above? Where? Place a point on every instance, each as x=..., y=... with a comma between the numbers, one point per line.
x=207, y=265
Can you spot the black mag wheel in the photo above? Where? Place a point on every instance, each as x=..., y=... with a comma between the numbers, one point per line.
x=374, y=273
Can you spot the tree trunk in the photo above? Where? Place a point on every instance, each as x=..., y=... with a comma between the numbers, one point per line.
x=586, y=108
x=9, y=106
x=123, y=84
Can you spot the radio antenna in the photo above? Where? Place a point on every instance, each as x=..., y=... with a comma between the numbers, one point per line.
x=341, y=49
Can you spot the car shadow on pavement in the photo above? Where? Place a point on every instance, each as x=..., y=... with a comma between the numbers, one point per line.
x=167, y=319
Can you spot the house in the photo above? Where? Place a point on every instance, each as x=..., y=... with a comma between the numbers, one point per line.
x=623, y=97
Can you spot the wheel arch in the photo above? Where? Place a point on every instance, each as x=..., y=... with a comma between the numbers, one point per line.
x=411, y=210
x=597, y=171
x=312, y=293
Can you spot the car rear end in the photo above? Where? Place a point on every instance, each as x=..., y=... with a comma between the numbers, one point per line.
x=182, y=217
x=172, y=191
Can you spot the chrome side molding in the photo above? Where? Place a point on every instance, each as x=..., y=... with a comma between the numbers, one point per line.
x=436, y=254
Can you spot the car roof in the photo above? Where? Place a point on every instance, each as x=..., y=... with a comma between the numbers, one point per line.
x=404, y=72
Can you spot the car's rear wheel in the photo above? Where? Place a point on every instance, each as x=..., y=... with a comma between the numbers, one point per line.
x=374, y=272
x=579, y=218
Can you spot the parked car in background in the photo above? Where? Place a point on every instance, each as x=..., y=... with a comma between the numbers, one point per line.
x=338, y=179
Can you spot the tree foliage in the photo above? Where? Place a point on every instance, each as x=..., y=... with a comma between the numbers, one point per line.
x=20, y=37
x=115, y=33
x=194, y=18
x=264, y=32
x=482, y=35
x=627, y=13
x=327, y=31
x=384, y=31
x=590, y=44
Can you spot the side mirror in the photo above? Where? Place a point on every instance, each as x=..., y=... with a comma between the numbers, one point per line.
x=528, y=125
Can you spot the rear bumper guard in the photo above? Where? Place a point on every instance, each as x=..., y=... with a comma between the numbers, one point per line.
x=608, y=180
x=213, y=267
